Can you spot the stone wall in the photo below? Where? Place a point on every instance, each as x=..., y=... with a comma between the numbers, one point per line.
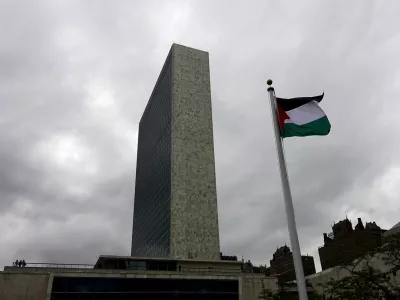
x=210, y=266
x=14, y=286
x=336, y=273
x=37, y=286
x=251, y=286
x=194, y=212
x=318, y=279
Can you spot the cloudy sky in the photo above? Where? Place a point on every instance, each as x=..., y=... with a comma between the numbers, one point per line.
x=75, y=77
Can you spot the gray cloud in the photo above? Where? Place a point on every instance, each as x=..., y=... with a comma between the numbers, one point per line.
x=75, y=78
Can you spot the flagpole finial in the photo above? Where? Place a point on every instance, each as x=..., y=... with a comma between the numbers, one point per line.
x=269, y=82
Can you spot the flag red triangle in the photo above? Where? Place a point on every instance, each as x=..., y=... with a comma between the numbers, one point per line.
x=282, y=116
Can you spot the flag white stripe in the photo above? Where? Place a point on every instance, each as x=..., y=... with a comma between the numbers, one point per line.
x=305, y=114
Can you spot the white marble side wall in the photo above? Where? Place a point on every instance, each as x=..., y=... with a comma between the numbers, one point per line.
x=194, y=213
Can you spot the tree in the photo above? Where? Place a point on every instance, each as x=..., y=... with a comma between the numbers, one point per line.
x=267, y=294
x=370, y=276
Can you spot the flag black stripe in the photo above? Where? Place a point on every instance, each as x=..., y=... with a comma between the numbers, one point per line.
x=292, y=103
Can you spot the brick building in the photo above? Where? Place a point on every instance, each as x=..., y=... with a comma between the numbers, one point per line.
x=282, y=265
x=345, y=244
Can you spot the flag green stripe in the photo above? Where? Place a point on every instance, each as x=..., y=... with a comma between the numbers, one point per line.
x=320, y=126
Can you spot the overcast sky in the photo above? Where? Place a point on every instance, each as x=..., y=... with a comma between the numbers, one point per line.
x=75, y=77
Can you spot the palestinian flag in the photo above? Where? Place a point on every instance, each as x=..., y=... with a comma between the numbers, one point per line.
x=302, y=117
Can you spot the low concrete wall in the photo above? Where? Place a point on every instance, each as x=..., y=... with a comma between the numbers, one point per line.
x=213, y=267
x=34, y=285
x=16, y=286
x=336, y=273
x=186, y=269
x=252, y=285
x=25, y=270
x=318, y=279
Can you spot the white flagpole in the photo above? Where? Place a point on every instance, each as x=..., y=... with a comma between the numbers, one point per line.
x=287, y=196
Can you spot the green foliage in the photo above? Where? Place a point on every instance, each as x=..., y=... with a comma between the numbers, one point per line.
x=267, y=295
x=367, y=282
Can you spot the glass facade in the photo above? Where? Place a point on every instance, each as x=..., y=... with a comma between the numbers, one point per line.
x=151, y=219
x=73, y=288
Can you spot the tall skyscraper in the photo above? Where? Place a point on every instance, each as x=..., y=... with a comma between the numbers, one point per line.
x=175, y=209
